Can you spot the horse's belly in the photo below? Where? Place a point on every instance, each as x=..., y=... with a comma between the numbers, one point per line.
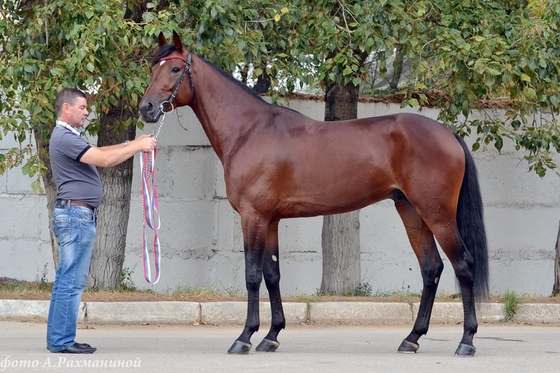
x=334, y=200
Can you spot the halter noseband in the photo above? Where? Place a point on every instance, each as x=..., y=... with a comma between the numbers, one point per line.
x=185, y=71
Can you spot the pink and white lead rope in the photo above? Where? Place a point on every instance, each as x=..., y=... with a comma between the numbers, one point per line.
x=150, y=213
x=150, y=209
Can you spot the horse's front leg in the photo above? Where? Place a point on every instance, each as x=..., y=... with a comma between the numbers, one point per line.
x=254, y=242
x=271, y=270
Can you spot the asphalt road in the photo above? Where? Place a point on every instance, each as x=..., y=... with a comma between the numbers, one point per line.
x=187, y=348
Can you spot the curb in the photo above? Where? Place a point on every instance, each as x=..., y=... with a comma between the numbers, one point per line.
x=233, y=313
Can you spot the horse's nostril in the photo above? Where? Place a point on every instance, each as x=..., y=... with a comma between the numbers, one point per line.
x=146, y=107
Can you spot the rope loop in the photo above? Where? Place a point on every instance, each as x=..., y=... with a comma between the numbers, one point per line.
x=150, y=214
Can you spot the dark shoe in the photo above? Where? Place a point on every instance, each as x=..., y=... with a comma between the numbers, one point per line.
x=79, y=348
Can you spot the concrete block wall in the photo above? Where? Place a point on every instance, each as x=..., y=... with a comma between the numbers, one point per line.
x=201, y=235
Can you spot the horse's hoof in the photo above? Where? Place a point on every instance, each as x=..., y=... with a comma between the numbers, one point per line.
x=465, y=350
x=407, y=347
x=240, y=348
x=268, y=346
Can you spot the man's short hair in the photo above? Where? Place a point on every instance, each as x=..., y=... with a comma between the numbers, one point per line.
x=67, y=96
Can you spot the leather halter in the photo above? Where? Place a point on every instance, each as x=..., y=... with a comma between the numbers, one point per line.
x=185, y=71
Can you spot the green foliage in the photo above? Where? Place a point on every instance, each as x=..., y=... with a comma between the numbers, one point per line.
x=362, y=290
x=92, y=45
x=483, y=51
x=511, y=304
x=127, y=284
x=44, y=283
x=472, y=51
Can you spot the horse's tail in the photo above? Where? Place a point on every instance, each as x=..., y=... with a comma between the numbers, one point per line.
x=470, y=222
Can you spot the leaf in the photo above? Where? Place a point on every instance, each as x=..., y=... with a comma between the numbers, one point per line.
x=36, y=186
x=413, y=103
x=525, y=78
x=476, y=146
x=554, y=101
x=488, y=80
x=499, y=143
x=530, y=94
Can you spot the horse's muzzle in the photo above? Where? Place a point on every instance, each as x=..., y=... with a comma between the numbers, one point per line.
x=149, y=112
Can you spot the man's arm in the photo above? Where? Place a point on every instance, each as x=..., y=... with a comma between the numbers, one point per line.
x=112, y=155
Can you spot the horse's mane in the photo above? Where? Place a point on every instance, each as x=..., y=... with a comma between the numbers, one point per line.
x=169, y=48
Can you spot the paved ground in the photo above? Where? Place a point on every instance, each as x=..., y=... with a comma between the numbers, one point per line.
x=187, y=348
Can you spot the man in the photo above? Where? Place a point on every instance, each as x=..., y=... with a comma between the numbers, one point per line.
x=79, y=193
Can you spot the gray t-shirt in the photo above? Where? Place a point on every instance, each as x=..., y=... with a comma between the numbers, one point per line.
x=74, y=180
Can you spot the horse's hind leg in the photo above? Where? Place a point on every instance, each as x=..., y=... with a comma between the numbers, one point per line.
x=271, y=271
x=463, y=264
x=431, y=265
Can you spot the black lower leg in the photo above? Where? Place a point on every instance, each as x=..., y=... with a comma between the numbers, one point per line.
x=278, y=322
x=253, y=278
x=431, y=274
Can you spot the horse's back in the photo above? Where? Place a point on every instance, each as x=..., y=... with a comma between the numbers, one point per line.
x=308, y=168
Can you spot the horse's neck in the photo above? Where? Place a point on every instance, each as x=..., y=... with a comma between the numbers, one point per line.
x=219, y=104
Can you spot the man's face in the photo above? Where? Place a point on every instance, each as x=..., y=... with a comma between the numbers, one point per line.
x=76, y=114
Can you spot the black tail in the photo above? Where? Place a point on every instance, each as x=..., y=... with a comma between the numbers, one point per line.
x=470, y=221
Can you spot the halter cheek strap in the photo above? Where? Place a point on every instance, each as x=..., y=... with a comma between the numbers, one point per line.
x=187, y=70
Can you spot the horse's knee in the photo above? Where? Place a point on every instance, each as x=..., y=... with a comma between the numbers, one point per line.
x=253, y=279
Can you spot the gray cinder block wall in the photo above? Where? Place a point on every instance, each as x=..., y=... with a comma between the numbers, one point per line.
x=201, y=236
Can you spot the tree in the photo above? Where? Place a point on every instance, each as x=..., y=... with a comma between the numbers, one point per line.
x=341, y=233
x=345, y=34
x=502, y=53
x=92, y=45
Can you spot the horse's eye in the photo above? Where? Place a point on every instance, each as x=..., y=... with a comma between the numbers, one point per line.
x=175, y=70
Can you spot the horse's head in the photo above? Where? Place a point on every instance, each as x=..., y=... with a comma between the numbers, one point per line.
x=170, y=67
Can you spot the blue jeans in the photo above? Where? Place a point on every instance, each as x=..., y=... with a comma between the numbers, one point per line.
x=74, y=228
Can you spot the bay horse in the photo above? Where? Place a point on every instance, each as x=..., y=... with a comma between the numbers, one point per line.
x=281, y=164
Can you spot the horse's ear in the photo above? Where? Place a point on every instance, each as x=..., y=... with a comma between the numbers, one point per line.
x=177, y=42
x=161, y=40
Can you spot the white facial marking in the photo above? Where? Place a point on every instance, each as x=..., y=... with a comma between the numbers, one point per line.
x=161, y=62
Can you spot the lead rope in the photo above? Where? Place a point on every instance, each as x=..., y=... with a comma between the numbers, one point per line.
x=150, y=208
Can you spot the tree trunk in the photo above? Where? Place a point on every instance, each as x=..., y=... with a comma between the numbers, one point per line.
x=341, y=253
x=112, y=216
x=50, y=188
x=341, y=233
x=263, y=82
x=397, y=69
x=556, y=287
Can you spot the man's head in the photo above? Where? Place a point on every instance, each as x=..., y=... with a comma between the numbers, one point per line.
x=71, y=106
